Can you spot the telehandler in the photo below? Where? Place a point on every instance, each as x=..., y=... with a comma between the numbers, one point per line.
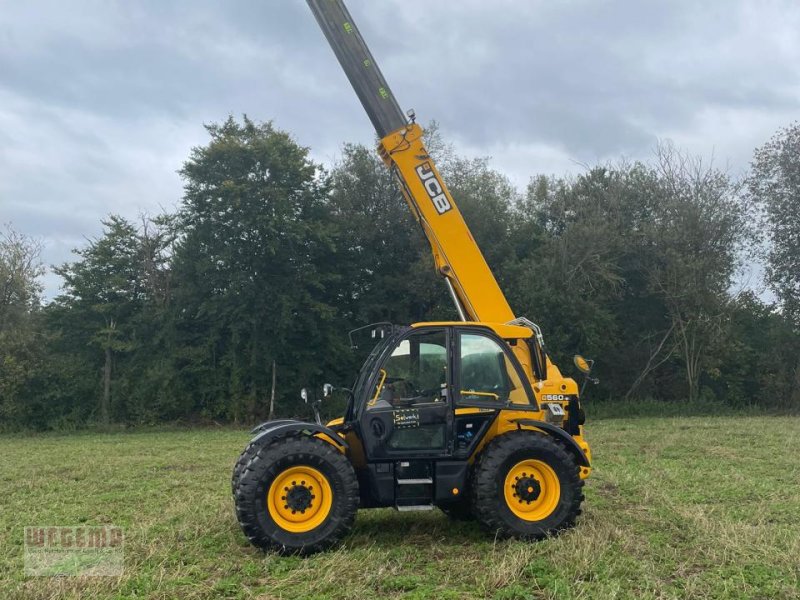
x=470, y=416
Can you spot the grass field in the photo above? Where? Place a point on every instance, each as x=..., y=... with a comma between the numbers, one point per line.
x=676, y=508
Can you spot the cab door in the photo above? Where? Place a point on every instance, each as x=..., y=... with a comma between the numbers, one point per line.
x=489, y=379
x=408, y=411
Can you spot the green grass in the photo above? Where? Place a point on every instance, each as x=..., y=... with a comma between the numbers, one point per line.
x=676, y=508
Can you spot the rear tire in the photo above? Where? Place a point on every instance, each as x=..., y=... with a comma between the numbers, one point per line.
x=526, y=485
x=298, y=495
x=245, y=457
x=250, y=450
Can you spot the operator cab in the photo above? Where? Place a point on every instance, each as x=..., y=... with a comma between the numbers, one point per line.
x=424, y=400
x=410, y=403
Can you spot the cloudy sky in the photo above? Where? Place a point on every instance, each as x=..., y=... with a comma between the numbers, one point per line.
x=101, y=101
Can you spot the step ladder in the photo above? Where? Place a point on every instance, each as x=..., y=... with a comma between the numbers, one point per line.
x=414, y=485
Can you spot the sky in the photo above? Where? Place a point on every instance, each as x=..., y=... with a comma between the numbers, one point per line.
x=101, y=101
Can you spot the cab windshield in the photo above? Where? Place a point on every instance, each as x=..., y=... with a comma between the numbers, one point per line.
x=366, y=369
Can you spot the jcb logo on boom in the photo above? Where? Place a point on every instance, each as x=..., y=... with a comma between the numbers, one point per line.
x=434, y=188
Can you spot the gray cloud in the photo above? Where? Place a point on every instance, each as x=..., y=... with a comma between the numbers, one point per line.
x=100, y=102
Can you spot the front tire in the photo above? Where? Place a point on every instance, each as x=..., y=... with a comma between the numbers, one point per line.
x=527, y=486
x=298, y=495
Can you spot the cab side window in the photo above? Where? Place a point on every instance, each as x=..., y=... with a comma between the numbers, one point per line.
x=415, y=373
x=486, y=373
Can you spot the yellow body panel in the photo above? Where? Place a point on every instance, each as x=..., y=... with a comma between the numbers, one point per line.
x=326, y=438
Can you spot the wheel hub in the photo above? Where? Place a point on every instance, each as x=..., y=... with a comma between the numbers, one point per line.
x=526, y=488
x=531, y=490
x=299, y=499
x=298, y=496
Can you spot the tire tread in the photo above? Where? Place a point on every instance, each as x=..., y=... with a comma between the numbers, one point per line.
x=261, y=461
x=487, y=496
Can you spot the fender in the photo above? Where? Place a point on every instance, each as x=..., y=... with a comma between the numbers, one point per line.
x=556, y=432
x=270, y=424
x=282, y=427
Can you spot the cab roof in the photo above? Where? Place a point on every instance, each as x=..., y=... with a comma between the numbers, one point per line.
x=505, y=331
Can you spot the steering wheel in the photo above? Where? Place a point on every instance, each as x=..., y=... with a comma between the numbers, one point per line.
x=405, y=380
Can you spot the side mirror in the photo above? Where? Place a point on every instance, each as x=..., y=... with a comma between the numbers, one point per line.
x=304, y=395
x=584, y=365
x=327, y=390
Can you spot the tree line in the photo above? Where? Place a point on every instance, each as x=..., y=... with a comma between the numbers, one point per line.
x=647, y=267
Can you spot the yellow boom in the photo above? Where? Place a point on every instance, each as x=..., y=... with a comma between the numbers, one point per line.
x=458, y=258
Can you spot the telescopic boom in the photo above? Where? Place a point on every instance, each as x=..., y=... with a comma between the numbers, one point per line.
x=458, y=258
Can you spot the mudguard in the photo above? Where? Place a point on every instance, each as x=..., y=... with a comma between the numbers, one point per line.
x=268, y=424
x=281, y=427
x=558, y=433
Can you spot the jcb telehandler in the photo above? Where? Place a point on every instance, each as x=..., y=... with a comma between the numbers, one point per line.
x=470, y=416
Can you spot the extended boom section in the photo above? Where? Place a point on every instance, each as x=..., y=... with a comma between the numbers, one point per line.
x=359, y=66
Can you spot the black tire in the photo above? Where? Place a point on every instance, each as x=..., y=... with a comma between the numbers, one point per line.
x=270, y=461
x=489, y=503
x=245, y=457
x=458, y=511
x=250, y=451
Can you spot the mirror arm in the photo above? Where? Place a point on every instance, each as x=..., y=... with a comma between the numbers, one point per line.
x=315, y=408
x=586, y=380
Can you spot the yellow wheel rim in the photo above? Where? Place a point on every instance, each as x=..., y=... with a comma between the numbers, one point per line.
x=532, y=490
x=299, y=499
